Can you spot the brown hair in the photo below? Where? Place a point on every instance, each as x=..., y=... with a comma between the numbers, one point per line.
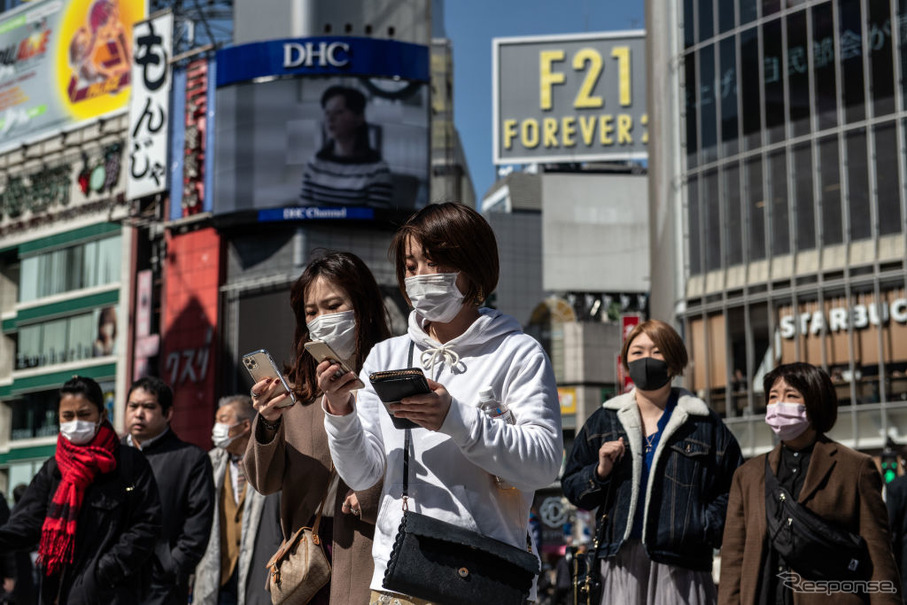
x=454, y=235
x=666, y=339
x=816, y=387
x=348, y=272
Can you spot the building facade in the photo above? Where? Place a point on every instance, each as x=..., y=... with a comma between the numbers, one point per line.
x=777, y=185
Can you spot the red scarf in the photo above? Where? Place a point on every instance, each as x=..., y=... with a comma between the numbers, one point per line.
x=79, y=465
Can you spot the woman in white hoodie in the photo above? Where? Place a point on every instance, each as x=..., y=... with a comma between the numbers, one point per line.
x=446, y=262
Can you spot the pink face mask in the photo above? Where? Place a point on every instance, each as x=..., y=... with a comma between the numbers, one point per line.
x=788, y=420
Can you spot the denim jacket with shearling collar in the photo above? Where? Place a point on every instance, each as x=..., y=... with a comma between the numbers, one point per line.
x=687, y=493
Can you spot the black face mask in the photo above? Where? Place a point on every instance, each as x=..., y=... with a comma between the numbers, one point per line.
x=648, y=373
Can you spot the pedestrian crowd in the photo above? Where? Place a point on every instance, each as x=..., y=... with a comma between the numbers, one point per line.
x=401, y=469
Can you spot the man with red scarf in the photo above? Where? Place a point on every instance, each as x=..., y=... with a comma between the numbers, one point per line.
x=92, y=510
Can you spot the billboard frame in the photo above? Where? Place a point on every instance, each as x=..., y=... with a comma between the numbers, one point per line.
x=496, y=44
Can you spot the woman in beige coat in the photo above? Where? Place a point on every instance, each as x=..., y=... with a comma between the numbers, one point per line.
x=336, y=300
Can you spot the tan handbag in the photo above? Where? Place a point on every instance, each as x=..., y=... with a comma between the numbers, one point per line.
x=299, y=568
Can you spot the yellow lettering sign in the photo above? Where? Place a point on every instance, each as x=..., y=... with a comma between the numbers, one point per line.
x=548, y=77
x=585, y=99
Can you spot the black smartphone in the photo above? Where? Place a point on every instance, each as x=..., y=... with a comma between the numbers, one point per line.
x=393, y=385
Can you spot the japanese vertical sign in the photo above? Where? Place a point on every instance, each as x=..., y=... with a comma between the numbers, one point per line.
x=149, y=108
x=195, y=148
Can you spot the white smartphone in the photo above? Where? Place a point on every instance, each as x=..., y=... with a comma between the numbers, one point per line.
x=321, y=350
x=261, y=365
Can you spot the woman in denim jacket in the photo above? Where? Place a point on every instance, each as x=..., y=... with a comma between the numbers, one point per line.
x=658, y=463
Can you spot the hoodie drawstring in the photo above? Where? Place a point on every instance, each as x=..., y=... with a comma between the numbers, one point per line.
x=443, y=353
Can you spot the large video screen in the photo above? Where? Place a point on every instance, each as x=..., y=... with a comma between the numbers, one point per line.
x=322, y=141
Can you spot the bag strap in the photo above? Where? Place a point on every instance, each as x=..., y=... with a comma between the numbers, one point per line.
x=406, y=441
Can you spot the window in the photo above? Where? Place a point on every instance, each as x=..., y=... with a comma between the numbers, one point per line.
x=824, y=66
x=750, y=89
x=850, y=38
x=707, y=106
x=734, y=236
x=727, y=92
x=858, y=186
x=798, y=74
x=35, y=416
x=695, y=233
x=710, y=206
x=830, y=196
x=780, y=216
x=74, y=268
x=725, y=15
x=689, y=24
x=881, y=61
x=68, y=339
x=748, y=11
x=887, y=179
x=773, y=75
x=706, y=20
x=690, y=94
x=769, y=7
x=755, y=209
x=804, y=198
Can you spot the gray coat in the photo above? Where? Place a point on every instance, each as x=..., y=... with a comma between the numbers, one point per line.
x=260, y=539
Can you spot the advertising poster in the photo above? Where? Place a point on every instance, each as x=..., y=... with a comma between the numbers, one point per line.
x=345, y=139
x=570, y=98
x=62, y=63
x=149, y=110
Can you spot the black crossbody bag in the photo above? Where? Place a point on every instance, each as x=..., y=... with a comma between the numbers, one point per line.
x=447, y=564
x=813, y=547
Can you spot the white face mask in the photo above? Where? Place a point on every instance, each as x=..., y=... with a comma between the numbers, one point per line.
x=220, y=434
x=337, y=330
x=435, y=296
x=79, y=432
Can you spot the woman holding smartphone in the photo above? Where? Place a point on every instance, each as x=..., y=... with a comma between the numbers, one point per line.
x=336, y=300
x=446, y=263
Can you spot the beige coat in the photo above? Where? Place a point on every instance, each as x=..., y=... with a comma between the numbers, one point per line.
x=298, y=462
x=841, y=486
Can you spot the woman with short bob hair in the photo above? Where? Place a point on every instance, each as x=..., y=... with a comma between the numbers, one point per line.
x=657, y=464
x=92, y=511
x=840, y=485
x=467, y=468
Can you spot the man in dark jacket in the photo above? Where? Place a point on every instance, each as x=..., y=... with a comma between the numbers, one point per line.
x=115, y=512
x=185, y=482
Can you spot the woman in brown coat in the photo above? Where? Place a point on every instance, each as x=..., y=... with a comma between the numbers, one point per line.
x=335, y=300
x=840, y=485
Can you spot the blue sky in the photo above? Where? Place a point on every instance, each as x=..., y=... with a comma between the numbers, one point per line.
x=471, y=25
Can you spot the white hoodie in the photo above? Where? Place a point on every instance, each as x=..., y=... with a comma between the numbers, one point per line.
x=451, y=470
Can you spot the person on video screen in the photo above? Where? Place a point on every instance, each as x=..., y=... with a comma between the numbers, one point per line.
x=346, y=171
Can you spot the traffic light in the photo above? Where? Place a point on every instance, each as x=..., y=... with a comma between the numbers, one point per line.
x=889, y=462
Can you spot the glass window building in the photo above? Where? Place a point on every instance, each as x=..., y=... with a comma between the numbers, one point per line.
x=781, y=161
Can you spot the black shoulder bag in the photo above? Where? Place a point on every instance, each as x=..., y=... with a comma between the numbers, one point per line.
x=587, y=581
x=813, y=547
x=445, y=563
